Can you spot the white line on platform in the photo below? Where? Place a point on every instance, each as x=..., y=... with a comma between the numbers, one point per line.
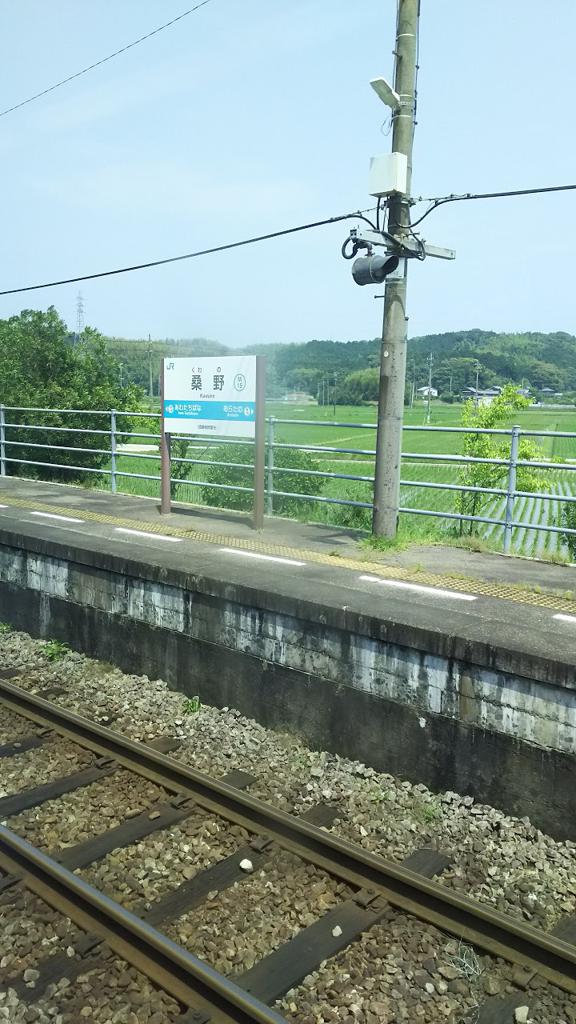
x=429, y=591
x=565, y=618
x=54, y=515
x=150, y=536
x=66, y=529
x=264, y=558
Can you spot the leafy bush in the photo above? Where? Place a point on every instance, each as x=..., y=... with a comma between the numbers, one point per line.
x=55, y=650
x=488, y=446
x=41, y=366
x=243, y=476
x=179, y=471
x=351, y=516
x=568, y=521
x=192, y=705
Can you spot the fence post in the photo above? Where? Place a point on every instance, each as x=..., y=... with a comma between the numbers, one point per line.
x=113, y=450
x=511, y=489
x=270, y=473
x=2, y=440
x=260, y=444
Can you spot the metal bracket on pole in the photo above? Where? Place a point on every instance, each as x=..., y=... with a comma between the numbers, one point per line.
x=407, y=245
x=417, y=246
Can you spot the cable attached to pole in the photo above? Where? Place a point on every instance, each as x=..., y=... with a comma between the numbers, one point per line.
x=442, y=200
x=358, y=215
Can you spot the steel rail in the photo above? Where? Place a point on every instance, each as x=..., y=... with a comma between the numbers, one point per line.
x=497, y=933
x=180, y=973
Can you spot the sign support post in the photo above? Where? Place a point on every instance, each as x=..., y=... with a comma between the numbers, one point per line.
x=165, y=492
x=260, y=443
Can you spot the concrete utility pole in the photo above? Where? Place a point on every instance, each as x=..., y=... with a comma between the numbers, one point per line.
x=395, y=330
x=430, y=361
x=150, y=381
x=413, y=385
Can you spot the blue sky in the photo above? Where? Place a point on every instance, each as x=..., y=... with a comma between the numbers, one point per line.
x=253, y=115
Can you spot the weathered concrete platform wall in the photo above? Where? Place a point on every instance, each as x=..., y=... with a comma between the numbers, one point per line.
x=341, y=682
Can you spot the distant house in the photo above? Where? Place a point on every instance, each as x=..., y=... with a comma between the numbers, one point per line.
x=550, y=393
x=482, y=396
x=423, y=392
x=298, y=397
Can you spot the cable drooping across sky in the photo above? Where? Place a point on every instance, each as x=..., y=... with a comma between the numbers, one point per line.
x=97, y=63
x=357, y=215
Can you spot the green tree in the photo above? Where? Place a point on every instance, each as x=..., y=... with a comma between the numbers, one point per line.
x=242, y=475
x=138, y=356
x=359, y=387
x=41, y=366
x=488, y=446
x=302, y=379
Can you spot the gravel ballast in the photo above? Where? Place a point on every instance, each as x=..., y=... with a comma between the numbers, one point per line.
x=398, y=971
x=86, y=812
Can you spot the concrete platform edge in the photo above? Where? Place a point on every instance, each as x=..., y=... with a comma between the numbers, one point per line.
x=502, y=655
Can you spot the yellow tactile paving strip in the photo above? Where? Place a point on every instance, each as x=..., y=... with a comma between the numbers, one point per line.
x=463, y=584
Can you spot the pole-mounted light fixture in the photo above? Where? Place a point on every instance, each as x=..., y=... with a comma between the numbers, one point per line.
x=385, y=92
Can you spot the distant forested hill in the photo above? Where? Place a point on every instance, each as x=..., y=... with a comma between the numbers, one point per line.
x=540, y=360
x=138, y=357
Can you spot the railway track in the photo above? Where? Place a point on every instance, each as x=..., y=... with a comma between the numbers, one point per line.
x=204, y=994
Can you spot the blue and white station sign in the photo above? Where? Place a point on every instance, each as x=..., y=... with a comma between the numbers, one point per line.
x=216, y=395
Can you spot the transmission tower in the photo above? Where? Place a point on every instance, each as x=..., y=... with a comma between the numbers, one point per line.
x=79, y=316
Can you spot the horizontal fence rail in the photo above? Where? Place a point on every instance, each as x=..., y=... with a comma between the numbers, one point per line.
x=505, y=511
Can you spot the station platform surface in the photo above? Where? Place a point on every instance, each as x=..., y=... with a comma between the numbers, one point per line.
x=526, y=605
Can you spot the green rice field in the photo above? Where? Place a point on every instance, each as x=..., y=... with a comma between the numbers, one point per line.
x=340, y=431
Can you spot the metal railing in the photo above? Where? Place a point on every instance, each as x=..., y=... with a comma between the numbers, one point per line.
x=503, y=500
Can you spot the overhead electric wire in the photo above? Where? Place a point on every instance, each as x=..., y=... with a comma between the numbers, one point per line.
x=110, y=56
x=442, y=200
x=358, y=215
